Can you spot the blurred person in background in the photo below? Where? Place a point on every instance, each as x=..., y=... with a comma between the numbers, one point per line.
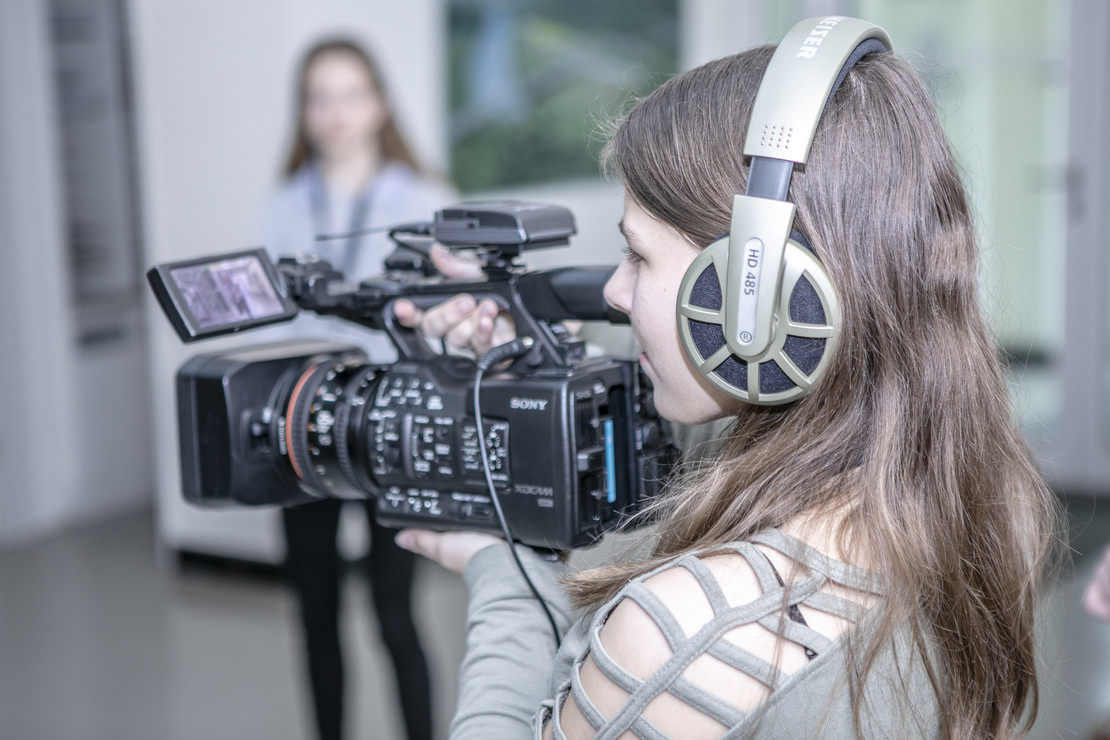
x=349, y=170
x=1096, y=600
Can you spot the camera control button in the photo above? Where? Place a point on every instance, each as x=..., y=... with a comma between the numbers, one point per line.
x=394, y=498
x=472, y=459
x=592, y=459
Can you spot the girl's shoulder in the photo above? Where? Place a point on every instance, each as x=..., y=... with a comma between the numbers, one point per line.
x=722, y=629
x=770, y=563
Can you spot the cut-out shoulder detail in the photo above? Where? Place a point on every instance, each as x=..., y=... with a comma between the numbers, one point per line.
x=691, y=649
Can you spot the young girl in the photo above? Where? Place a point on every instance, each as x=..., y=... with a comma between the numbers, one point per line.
x=863, y=562
x=349, y=169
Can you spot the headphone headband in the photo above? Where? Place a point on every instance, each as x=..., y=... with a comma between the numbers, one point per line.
x=804, y=72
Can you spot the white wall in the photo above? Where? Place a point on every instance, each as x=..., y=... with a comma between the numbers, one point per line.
x=38, y=441
x=72, y=448
x=710, y=29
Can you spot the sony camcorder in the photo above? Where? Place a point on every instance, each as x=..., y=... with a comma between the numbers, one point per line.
x=573, y=444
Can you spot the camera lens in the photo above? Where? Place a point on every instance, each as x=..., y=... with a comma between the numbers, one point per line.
x=320, y=437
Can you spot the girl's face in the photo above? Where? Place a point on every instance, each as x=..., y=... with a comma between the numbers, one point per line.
x=343, y=111
x=645, y=286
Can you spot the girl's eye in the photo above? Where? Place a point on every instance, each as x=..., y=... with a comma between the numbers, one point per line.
x=630, y=255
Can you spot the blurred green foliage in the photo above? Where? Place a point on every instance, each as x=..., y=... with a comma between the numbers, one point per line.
x=532, y=80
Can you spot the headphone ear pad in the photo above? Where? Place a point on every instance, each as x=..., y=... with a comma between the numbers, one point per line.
x=807, y=321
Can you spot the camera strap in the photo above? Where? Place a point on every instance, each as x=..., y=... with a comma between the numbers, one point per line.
x=320, y=206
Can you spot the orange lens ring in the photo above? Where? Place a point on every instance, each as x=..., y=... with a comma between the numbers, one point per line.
x=290, y=410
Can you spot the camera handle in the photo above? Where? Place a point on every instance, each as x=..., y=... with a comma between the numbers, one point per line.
x=551, y=348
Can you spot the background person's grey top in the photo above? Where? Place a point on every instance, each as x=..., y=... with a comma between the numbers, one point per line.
x=299, y=209
x=511, y=670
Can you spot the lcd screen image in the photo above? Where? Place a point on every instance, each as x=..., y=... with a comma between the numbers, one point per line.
x=227, y=292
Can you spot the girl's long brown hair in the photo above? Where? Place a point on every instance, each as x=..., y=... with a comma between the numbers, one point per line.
x=940, y=490
x=393, y=145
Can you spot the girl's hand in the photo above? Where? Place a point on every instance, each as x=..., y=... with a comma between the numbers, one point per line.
x=452, y=550
x=460, y=321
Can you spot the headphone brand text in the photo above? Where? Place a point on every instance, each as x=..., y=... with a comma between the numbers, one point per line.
x=817, y=35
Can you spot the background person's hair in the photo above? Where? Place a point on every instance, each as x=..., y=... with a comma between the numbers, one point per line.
x=910, y=433
x=393, y=145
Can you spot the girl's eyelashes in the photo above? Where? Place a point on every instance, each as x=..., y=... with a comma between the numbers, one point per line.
x=631, y=255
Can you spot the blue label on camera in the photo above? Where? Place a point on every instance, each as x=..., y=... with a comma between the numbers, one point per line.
x=610, y=462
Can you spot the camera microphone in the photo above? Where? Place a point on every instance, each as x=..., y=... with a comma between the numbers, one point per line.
x=408, y=229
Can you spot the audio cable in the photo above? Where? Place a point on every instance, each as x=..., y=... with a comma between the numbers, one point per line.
x=495, y=356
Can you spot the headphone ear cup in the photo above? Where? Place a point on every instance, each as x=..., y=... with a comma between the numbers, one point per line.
x=807, y=321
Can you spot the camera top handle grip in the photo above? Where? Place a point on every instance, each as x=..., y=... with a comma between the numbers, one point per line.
x=534, y=300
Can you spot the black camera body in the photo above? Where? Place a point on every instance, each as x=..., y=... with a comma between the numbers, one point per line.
x=573, y=443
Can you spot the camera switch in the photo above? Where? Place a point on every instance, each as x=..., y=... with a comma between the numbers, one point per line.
x=591, y=459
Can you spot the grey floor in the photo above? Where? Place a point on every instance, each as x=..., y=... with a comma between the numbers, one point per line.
x=102, y=639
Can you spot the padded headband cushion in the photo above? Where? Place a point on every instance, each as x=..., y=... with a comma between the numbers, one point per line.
x=870, y=46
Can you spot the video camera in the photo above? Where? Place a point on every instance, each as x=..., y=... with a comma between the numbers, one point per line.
x=573, y=444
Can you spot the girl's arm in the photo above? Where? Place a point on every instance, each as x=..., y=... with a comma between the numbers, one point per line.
x=510, y=650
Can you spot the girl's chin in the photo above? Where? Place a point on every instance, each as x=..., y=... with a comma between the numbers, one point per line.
x=687, y=402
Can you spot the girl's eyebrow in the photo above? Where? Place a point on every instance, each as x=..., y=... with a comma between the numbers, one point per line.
x=626, y=232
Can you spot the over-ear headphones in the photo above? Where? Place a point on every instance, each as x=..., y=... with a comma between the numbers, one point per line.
x=757, y=313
